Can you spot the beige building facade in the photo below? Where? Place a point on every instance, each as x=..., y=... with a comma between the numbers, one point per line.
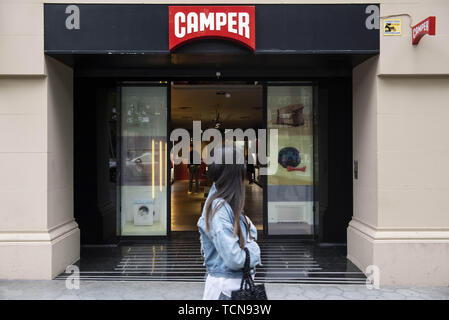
x=400, y=219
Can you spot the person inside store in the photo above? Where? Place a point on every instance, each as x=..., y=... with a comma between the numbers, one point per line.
x=194, y=170
x=225, y=231
x=250, y=168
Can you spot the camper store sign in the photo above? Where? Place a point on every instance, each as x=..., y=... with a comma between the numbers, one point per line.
x=188, y=23
x=427, y=26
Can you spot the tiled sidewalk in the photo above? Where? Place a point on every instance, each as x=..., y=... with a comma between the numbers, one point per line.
x=35, y=290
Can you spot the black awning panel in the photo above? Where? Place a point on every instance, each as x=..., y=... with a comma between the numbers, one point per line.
x=143, y=28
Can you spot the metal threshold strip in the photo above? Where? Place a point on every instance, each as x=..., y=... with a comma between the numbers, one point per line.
x=283, y=261
x=181, y=279
x=200, y=265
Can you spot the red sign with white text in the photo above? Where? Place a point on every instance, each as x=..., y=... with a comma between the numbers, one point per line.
x=188, y=23
x=427, y=26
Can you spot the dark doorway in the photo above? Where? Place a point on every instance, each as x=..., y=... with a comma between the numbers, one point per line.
x=95, y=134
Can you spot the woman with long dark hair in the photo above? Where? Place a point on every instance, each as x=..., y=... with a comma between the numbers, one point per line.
x=224, y=230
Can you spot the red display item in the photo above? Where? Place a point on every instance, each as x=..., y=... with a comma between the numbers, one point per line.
x=188, y=23
x=427, y=26
x=303, y=169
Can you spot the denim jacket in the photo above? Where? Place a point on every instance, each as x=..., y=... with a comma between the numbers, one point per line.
x=223, y=256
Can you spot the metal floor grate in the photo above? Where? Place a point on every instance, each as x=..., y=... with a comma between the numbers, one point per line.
x=282, y=262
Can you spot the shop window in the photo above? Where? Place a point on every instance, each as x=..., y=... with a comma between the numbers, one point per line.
x=143, y=189
x=290, y=189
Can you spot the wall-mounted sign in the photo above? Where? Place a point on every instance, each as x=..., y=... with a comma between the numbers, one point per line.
x=188, y=23
x=427, y=26
x=392, y=27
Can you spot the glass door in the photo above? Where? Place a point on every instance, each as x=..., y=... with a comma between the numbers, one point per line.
x=143, y=161
x=290, y=196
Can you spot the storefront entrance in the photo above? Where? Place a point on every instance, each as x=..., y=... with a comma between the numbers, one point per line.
x=156, y=196
x=122, y=129
x=126, y=186
x=150, y=75
x=128, y=98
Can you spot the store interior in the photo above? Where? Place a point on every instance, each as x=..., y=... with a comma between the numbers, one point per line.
x=223, y=107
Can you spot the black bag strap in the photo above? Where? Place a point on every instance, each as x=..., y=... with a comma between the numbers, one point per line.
x=247, y=280
x=247, y=258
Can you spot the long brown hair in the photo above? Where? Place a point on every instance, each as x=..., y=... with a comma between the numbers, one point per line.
x=230, y=186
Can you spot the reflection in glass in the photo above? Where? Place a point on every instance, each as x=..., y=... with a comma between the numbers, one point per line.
x=143, y=157
x=290, y=189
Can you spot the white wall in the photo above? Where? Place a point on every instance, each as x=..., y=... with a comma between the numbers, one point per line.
x=38, y=235
x=401, y=138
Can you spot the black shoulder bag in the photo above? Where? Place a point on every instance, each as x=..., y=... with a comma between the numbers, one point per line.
x=249, y=290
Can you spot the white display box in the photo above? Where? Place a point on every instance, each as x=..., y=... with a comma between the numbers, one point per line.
x=143, y=212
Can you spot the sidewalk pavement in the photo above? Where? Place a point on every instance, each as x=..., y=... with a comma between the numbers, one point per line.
x=156, y=290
